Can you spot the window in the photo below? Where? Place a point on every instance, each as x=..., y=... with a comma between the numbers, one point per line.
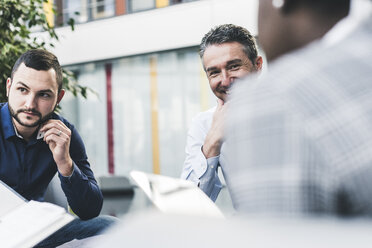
x=102, y=8
x=76, y=10
x=139, y=5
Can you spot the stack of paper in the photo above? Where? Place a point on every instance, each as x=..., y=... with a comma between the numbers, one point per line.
x=24, y=224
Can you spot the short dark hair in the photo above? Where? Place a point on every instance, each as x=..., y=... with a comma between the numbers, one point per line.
x=40, y=60
x=230, y=33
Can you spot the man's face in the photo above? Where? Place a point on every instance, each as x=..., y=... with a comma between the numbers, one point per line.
x=32, y=96
x=224, y=63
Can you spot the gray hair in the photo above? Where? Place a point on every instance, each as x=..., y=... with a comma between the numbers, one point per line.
x=230, y=33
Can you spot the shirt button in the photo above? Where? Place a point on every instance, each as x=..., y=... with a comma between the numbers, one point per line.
x=212, y=166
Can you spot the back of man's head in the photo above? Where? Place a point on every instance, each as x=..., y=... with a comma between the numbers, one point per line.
x=325, y=8
x=286, y=25
x=230, y=33
x=40, y=60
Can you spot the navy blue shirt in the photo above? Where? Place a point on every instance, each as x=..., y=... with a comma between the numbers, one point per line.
x=28, y=167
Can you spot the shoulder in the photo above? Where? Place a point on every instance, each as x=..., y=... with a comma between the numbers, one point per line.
x=296, y=78
x=2, y=104
x=202, y=121
x=204, y=116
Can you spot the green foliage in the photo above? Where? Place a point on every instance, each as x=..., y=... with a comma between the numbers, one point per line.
x=17, y=20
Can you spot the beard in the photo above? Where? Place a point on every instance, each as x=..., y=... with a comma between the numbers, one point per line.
x=42, y=119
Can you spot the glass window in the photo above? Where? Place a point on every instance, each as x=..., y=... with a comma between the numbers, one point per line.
x=75, y=9
x=131, y=112
x=102, y=8
x=139, y=5
x=180, y=1
x=89, y=115
x=182, y=91
x=179, y=79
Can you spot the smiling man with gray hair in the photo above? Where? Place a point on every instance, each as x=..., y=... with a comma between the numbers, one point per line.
x=228, y=52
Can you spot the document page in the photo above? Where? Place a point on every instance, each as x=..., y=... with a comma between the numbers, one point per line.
x=29, y=221
x=174, y=195
x=9, y=199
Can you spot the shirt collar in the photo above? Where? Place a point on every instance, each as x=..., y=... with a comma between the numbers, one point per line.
x=39, y=135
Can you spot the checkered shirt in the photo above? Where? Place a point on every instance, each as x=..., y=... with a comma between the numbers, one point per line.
x=299, y=139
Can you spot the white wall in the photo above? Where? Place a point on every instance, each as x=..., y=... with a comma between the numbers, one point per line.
x=177, y=26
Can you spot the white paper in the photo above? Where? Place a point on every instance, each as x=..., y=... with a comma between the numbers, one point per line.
x=176, y=196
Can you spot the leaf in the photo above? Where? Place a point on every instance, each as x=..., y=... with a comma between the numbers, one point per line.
x=17, y=19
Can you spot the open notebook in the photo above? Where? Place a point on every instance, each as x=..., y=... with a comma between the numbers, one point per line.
x=26, y=223
x=174, y=195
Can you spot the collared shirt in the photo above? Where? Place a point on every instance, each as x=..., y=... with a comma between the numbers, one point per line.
x=198, y=169
x=28, y=167
x=299, y=141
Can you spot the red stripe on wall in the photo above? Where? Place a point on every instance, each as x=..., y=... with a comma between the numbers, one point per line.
x=110, y=125
x=120, y=7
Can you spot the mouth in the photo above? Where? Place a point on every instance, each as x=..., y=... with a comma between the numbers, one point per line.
x=224, y=91
x=29, y=113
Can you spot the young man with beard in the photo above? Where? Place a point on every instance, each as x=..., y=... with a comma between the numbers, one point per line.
x=228, y=52
x=36, y=143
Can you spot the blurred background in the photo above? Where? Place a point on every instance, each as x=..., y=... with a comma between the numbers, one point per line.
x=141, y=57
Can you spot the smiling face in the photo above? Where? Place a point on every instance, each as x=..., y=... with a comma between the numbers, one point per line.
x=224, y=63
x=32, y=96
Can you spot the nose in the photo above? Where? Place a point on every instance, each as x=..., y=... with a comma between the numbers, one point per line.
x=30, y=102
x=226, y=79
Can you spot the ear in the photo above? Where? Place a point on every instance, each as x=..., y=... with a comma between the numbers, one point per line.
x=258, y=63
x=60, y=95
x=8, y=84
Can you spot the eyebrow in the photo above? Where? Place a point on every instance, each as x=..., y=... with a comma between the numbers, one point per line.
x=41, y=91
x=227, y=64
x=23, y=84
x=233, y=61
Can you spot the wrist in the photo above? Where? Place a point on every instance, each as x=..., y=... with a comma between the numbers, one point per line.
x=66, y=169
x=211, y=151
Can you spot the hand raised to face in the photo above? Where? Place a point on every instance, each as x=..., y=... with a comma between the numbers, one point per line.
x=58, y=136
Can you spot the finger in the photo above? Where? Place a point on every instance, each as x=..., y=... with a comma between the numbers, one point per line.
x=54, y=133
x=55, y=124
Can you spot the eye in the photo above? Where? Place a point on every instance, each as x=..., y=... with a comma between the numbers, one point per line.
x=22, y=89
x=234, y=67
x=44, y=95
x=213, y=73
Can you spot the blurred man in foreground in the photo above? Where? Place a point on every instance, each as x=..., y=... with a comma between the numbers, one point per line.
x=299, y=141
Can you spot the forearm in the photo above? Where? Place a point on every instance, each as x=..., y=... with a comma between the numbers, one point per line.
x=83, y=194
x=212, y=145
